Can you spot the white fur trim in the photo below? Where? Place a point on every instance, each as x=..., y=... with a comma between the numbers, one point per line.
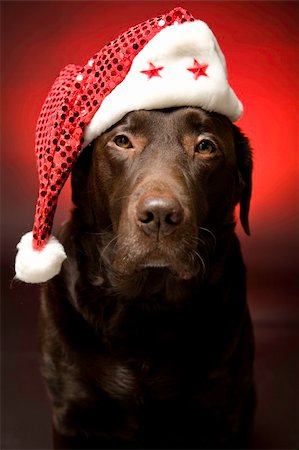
x=34, y=266
x=174, y=48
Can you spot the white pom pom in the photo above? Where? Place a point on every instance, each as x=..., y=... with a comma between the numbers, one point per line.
x=34, y=266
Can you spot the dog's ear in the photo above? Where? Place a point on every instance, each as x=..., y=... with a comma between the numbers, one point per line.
x=80, y=174
x=244, y=162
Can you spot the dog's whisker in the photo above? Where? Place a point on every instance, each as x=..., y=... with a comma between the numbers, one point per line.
x=94, y=233
x=195, y=253
x=210, y=233
x=99, y=233
x=102, y=251
x=198, y=240
x=123, y=197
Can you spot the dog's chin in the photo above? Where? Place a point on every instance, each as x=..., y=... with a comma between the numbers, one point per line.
x=181, y=270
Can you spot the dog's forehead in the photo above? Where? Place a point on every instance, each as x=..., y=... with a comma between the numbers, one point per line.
x=182, y=119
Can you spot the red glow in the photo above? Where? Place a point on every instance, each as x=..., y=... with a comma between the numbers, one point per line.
x=260, y=45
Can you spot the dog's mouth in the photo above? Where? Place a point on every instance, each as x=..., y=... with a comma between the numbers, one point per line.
x=183, y=266
x=182, y=257
x=154, y=265
x=183, y=273
x=167, y=267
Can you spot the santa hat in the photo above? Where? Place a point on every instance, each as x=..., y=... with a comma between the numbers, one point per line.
x=168, y=61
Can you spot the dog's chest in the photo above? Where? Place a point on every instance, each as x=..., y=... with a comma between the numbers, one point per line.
x=150, y=358
x=137, y=381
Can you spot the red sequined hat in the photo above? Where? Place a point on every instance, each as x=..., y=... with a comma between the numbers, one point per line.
x=171, y=60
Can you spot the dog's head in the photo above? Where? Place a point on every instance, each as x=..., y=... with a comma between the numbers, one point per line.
x=159, y=187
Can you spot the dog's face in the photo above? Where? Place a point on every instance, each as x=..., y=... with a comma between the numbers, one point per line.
x=160, y=185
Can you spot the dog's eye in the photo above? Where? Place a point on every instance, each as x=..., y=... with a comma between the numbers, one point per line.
x=122, y=141
x=205, y=146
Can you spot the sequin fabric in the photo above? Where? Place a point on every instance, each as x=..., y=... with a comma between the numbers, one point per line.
x=74, y=98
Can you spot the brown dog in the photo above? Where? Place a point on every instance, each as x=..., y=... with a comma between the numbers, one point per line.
x=146, y=336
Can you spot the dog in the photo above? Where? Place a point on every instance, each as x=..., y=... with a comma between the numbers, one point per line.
x=145, y=335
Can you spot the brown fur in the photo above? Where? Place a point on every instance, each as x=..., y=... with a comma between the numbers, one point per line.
x=146, y=337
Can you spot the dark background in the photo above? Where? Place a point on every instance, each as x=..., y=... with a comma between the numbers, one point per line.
x=260, y=42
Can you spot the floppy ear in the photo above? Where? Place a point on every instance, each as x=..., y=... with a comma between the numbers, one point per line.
x=244, y=162
x=80, y=174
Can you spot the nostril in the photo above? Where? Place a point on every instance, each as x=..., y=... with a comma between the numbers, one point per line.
x=146, y=217
x=174, y=218
x=169, y=219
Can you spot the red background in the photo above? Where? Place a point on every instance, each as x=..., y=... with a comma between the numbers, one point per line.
x=260, y=42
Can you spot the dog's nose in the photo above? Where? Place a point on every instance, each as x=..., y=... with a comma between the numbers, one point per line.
x=159, y=214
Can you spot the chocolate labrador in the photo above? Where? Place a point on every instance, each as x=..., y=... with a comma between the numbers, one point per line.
x=146, y=338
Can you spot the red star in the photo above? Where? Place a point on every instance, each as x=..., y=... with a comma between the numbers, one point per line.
x=198, y=70
x=152, y=71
